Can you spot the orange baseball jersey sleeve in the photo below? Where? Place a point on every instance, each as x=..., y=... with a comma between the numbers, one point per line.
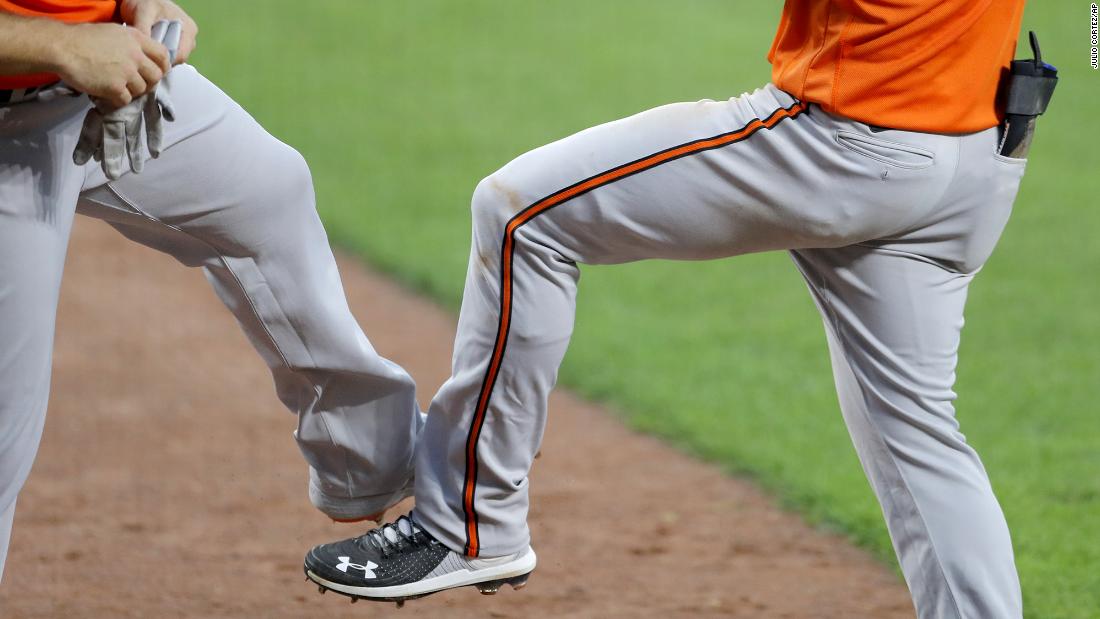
x=71, y=11
x=931, y=65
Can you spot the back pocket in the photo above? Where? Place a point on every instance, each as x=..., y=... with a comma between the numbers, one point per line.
x=892, y=153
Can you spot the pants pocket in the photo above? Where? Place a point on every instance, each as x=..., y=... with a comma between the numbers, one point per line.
x=886, y=151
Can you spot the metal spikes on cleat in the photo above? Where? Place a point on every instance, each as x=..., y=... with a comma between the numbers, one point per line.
x=488, y=588
x=492, y=586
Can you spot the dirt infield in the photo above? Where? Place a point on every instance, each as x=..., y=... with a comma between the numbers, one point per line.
x=168, y=484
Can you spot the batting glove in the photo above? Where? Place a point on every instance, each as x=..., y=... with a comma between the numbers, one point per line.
x=112, y=136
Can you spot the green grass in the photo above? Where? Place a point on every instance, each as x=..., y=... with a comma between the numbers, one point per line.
x=402, y=106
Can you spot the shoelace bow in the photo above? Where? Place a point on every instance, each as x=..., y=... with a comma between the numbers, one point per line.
x=388, y=538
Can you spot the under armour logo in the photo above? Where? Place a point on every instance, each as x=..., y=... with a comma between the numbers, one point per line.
x=345, y=563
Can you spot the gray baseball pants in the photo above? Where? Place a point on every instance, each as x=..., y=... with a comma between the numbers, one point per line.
x=227, y=197
x=888, y=228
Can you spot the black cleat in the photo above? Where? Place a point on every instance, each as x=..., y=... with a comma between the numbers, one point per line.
x=400, y=561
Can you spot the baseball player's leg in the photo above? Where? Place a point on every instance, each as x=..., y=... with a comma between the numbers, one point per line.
x=690, y=181
x=227, y=196
x=893, y=313
x=32, y=253
x=893, y=323
x=695, y=180
x=7, y=517
x=38, y=190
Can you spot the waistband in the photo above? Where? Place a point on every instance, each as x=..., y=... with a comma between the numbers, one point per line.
x=21, y=95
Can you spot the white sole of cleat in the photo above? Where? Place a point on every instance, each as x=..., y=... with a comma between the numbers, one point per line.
x=488, y=581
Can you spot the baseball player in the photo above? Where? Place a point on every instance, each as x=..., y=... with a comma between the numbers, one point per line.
x=872, y=157
x=222, y=194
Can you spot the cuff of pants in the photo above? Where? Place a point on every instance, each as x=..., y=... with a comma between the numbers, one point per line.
x=447, y=529
x=356, y=508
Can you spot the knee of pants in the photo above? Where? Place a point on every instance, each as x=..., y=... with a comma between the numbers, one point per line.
x=272, y=212
x=289, y=182
x=496, y=200
x=278, y=196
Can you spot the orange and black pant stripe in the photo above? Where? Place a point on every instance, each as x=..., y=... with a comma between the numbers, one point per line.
x=473, y=545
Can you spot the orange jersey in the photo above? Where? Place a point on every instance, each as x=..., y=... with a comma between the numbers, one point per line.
x=905, y=64
x=71, y=11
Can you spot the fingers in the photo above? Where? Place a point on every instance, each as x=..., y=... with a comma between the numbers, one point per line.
x=144, y=14
x=114, y=149
x=164, y=104
x=150, y=65
x=153, y=125
x=186, y=47
x=144, y=17
x=91, y=136
x=118, y=96
x=133, y=144
x=150, y=72
x=155, y=51
x=136, y=86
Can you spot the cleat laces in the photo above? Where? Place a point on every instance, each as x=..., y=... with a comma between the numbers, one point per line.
x=395, y=537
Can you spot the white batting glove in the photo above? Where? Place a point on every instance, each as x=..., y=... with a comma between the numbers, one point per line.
x=112, y=136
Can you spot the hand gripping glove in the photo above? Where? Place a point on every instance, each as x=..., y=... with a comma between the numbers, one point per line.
x=112, y=136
